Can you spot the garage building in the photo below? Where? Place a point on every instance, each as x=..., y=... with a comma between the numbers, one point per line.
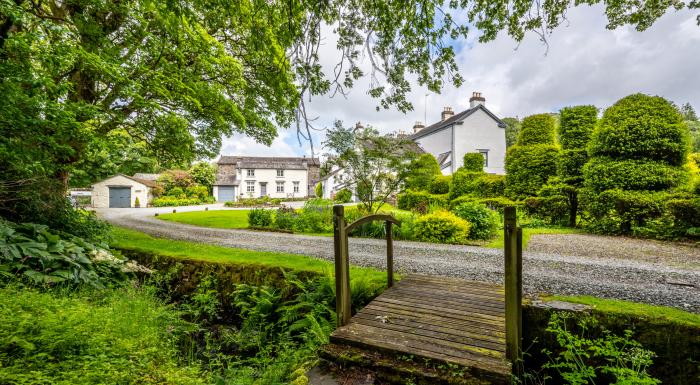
x=121, y=191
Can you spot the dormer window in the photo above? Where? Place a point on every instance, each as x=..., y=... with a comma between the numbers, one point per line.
x=250, y=172
x=280, y=173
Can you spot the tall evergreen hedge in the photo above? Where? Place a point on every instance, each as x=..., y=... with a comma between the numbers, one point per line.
x=473, y=161
x=577, y=124
x=637, y=152
x=533, y=160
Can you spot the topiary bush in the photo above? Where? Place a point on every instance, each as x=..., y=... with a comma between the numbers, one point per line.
x=473, y=161
x=318, y=190
x=528, y=168
x=637, y=152
x=343, y=196
x=484, y=221
x=441, y=227
x=440, y=184
x=537, y=129
x=477, y=184
x=260, y=218
x=421, y=172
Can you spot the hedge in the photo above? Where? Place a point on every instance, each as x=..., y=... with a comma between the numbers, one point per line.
x=603, y=173
x=570, y=166
x=528, y=168
x=440, y=184
x=537, y=129
x=473, y=161
x=420, y=201
x=493, y=203
x=484, y=221
x=478, y=184
x=576, y=126
x=686, y=212
x=642, y=127
x=618, y=211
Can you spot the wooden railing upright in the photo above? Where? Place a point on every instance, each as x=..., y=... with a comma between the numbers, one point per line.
x=341, y=229
x=513, y=282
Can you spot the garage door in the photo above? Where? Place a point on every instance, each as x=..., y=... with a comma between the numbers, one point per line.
x=120, y=197
x=226, y=194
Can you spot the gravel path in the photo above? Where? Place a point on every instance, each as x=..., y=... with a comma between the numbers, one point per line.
x=615, y=272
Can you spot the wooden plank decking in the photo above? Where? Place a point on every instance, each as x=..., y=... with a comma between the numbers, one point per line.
x=443, y=319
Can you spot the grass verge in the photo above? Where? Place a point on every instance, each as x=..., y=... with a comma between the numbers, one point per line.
x=633, y=309
x=134, y=240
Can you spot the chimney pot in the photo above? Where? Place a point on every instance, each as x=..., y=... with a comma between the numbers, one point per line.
x=476, y=100
x=447, y=113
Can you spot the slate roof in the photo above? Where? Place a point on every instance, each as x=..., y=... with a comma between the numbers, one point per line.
x=454, y=119
x=226, y=180
x=146, y=176
x=261, y=162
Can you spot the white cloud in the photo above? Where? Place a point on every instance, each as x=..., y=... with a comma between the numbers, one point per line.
x=584, y=63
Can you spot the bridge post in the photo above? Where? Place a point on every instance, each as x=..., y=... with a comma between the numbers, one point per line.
x=513, y=253
x=342, y=266
x=389, y=254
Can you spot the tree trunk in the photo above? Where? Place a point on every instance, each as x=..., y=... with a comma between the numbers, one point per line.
x=573, y=208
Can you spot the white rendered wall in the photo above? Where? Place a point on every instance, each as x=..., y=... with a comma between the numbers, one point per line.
x=437, y=143
x=480, y=132
x=270, y=177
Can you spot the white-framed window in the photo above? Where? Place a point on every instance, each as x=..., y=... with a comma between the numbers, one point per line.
x=250, y=172
x=280, y=187
x=250, y=186
x=280, y=173
x=485, y=154
x=296, y=187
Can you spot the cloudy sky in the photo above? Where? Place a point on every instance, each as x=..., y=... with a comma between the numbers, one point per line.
x=583, y=64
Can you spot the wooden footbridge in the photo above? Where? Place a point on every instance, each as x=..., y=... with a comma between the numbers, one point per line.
x=474, y=325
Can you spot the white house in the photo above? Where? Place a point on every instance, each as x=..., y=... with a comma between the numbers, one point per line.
x=252, y=177
x=121, y=191
x=473, y=130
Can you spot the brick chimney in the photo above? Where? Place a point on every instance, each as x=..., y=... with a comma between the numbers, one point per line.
x=418, y=126
x=359, y=125
x=447, y=113
x=476, y=100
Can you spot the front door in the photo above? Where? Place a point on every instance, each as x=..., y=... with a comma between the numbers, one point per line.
x=263, y=189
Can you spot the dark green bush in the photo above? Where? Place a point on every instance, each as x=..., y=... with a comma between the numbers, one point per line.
x=343, y=196
x=484, y=221
x=260, y=218
x=528, y=168
x=642, y=127
x=420, y=201
x=618, y=211
x=478, y=184
x=686, y=212
x=603, y=173
x=441, y=227
x=440, y=184
x=473, y=161
x=537, y=129
x=570, y=166
x=576, y=126
x=553, y=209
x=421, y=172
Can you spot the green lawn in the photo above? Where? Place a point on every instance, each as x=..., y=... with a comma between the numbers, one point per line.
x=135, y=240
x=497, y=243
x=222, y=219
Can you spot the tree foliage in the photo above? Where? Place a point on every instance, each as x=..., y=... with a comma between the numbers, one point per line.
x=374, y=165
x=537, y=129
x=512, y=130
x=421, y=172
x=204, y=173
x=473, y=161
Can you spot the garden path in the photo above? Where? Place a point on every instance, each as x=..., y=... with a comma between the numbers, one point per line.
x=608, y=267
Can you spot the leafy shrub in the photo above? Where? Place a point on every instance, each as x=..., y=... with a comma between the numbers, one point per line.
x=34, y=254
x=343, y=196
x=496, y=204
x=137, y=202
x=197, y=192
x=421, y=172
x=420, y=201
x=464, y=182
x=286, y=218
x=537, y=129
x=441, y=227
x=618, y=211
x=528, y=168
x=171, y=179
x=253, y=202
x=478, y=184
x=553, y=209
x=576, y=126
x=440, y=184
x=318, y=190
x=686, y=216
x=260, y=218
x=484, y=221
x=175, y=192
x=473, y=161
x=316, y=216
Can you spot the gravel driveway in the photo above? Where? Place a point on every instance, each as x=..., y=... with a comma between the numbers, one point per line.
x=653, y=278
